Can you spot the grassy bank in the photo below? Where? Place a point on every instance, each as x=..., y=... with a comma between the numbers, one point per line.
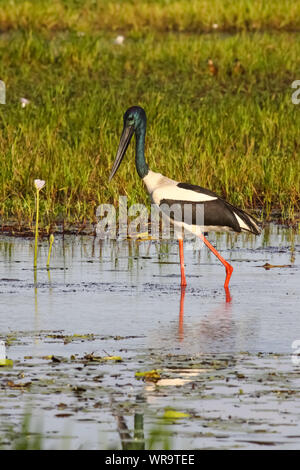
x=235, y=131
x=151, y=15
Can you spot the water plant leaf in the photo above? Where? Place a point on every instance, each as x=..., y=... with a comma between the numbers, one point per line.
x=173, y=414
x=149, y=376
x=6, y=363
x=92, y=357
x=20, y=385
x=113, y=358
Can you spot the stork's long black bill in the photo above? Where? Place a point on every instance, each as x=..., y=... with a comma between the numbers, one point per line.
x=124, y=142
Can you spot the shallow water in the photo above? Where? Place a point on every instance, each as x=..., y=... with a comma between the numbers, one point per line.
x=227, y=365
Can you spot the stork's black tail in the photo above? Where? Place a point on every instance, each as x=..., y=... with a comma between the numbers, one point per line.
x=246, y=222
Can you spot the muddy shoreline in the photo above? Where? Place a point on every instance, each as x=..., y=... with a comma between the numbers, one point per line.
x=15, y=229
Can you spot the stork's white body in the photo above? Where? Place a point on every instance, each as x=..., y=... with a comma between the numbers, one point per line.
x=163, y=189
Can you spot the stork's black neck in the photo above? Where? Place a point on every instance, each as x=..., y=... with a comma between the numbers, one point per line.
x=140, y=162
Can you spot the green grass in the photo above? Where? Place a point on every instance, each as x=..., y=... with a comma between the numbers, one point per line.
x=236, y=132
x=150, y=15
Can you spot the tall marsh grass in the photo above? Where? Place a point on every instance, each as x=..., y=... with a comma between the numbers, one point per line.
x=150, y=15
x=236, y=131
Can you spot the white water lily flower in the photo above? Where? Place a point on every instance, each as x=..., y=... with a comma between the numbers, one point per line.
x=24, y=102
x=39, y=184
x=119, y=40
x=215, y=26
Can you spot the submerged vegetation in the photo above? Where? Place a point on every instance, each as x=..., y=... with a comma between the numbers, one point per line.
x=228, y=124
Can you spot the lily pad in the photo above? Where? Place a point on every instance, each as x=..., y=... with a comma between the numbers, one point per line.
x=173, y=414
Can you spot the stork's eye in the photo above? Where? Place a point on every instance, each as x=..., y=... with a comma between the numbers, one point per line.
x=130, y=120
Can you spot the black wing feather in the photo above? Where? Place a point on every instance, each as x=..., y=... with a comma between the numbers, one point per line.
x=217, y=212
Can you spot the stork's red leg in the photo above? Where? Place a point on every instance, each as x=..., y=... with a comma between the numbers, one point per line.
x=181, y=311
x=227, y=293
x=228, y=266
x=183, y=280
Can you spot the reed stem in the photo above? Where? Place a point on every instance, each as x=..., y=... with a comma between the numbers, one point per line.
x=51, y=240
x=36, y=227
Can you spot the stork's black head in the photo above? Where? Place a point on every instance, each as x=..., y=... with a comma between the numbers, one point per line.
x=135, y=117
x=134, y=121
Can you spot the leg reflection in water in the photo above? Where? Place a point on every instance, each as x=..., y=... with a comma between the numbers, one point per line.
x=228, y=300
x=181, y=312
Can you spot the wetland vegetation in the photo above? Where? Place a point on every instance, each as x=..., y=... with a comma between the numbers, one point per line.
x=229, y=125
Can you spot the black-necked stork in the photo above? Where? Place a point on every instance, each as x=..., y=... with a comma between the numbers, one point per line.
x=219, y=215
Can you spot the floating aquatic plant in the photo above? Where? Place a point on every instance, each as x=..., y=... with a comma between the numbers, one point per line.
x=149, y=376
x=173, y=414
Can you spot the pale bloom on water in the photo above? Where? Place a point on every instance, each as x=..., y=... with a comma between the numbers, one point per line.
x=39, y=184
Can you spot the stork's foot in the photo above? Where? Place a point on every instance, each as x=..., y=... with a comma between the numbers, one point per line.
x=227, y=294
x=183, y=280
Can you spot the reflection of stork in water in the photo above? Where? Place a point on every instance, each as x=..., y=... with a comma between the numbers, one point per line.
x=219, y=215
x=181, y=313
x=214, y=316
